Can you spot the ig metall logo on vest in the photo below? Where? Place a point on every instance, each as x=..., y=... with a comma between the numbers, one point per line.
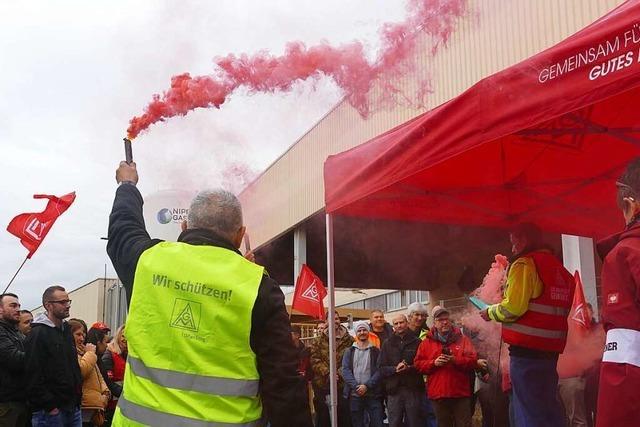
x=186, y=315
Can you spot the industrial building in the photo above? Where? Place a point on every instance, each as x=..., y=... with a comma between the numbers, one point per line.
x=382, y=263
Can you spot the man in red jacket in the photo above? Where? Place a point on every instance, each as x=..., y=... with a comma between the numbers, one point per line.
x=448, y=357
x=620, y=372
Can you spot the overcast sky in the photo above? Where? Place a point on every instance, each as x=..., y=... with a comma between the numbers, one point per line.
x=74, y=73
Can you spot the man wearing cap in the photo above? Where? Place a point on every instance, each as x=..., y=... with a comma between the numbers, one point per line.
x=362, y=379
x=448, y=357
x=208, y=335
x=102, y=327
x=534, y=310
x=403, y=383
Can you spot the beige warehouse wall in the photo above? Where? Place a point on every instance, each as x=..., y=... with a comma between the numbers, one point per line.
x=495, y=35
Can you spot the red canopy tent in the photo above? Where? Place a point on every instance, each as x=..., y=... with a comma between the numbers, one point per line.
x=542, y=141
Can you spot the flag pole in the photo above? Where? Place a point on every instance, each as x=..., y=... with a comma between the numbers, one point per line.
x=14, y=276
x=333, y=382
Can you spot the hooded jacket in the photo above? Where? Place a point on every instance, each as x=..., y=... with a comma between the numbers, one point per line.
x=620, y=255
x=12, y=360
x=53, y=378
x=374, y=384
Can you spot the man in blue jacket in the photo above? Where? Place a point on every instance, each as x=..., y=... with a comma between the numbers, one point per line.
x=362, y=379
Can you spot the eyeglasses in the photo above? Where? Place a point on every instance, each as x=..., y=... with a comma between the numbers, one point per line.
x=62, y=301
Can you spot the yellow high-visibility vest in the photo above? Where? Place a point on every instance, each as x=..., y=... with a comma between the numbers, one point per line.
x=190, y=362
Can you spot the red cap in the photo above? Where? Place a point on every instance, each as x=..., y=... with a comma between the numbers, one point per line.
x=101, y=326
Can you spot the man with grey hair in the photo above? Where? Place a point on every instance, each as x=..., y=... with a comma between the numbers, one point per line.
x=208, y=332
x=417, y=314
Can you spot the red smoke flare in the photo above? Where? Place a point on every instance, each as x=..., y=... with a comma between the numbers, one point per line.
x=347, y=65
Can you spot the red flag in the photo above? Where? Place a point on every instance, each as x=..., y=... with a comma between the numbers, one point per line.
x=31, y=228
x=579, y=306
x=309, y=293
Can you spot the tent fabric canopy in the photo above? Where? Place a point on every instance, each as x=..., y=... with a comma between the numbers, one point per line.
x=541, y=141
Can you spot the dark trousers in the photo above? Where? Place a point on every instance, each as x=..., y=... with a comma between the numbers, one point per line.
x=372, y=406
x=405, y=403
x=323, y=418
x=427, y=412
x=14, y=414
x=535, y=387
x=454, y=412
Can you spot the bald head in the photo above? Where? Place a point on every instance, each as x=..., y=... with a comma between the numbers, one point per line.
x=400, y=324
x=219, y=211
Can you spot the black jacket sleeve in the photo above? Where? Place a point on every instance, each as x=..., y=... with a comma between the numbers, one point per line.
x=105, y=367
x=283, y=391
x=128, y=238
x=11, y=356
x=40, y=396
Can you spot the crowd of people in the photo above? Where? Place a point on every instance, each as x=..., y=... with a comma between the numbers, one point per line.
x=211, y=342
x=54, y=371
x=382, y=369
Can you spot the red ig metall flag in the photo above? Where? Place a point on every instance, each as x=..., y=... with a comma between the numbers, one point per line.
x=579, y=307
x=309, y=294
x=31, y=228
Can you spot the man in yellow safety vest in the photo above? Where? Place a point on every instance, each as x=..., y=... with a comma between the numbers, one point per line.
x=208, y=332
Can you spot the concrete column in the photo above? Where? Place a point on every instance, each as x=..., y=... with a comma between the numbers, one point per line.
x=299, y=251
x=578, y=254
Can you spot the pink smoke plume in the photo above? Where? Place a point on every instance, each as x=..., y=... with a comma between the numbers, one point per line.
x=236, y=176
x=494, y=281
x=347, y=65
x=488, y=342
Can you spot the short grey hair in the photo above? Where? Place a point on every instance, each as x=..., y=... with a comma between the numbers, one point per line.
x=217, y=210
x=416, y=307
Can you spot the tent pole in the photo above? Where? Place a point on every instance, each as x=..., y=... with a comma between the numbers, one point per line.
x=333, y=384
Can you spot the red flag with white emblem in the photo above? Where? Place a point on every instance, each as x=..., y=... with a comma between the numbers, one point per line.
x=579, y=312
x=31, y=228
x=309, y=294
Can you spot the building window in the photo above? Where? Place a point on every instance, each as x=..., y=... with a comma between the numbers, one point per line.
x=395, y=300
x=376, y=303
x=357, y=305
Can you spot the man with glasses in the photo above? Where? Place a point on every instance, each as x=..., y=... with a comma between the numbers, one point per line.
x=448, y=357
x=53, y=379
x=417, y=314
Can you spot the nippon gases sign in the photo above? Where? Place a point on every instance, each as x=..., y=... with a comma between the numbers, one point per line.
x=164, y=212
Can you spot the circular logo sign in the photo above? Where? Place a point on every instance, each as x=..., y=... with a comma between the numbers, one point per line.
x=164, y=216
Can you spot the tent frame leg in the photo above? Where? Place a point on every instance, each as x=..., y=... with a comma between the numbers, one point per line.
x=333, y=372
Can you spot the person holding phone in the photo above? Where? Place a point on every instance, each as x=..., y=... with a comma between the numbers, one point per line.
x=448, y=357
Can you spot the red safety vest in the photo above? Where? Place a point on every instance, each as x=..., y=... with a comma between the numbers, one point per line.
x=544, y=325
